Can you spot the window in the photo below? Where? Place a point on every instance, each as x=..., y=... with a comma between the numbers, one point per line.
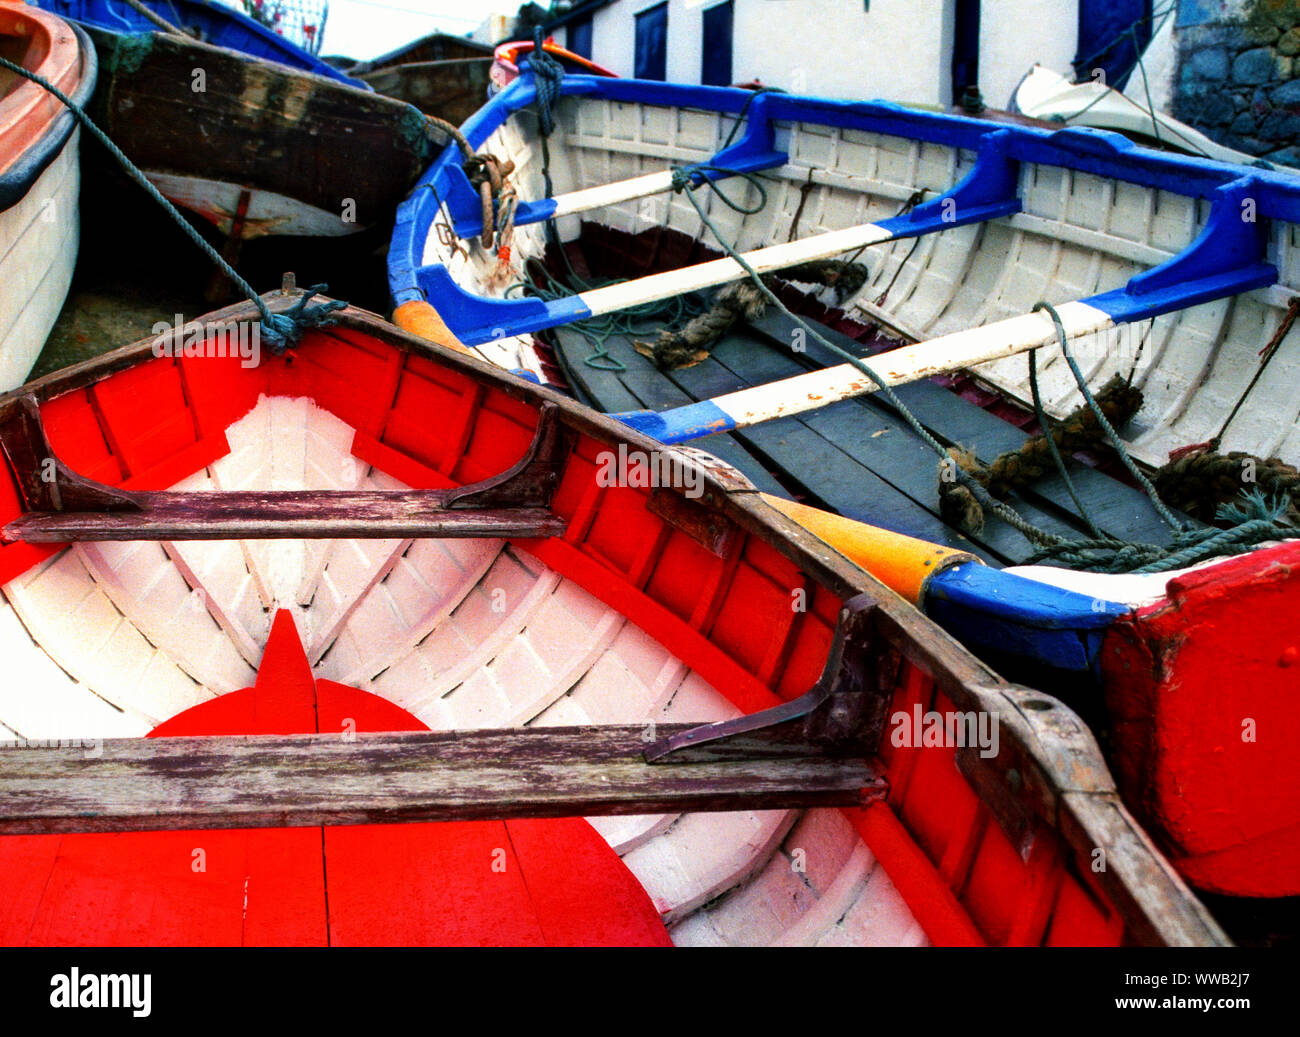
x=578, y=38
x=652, y=43
x=715, y=59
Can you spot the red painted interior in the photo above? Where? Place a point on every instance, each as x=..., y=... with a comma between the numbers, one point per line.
x=728, y=618
x=1213, y=762
x=479, y=883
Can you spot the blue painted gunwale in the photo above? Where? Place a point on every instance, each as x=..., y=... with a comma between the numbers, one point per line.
x=221, y=26
x=981, y=606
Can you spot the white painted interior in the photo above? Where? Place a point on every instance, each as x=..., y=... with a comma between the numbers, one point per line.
x=1077, y=235
x=463, y=633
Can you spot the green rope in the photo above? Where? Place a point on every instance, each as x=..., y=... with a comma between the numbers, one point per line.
x=1255, y=519
x=1052, y=448
x=1254, y=522
x=1112, y=437
x=693, y=176
x=600, y=330
x=280, y=330
x=684, y=183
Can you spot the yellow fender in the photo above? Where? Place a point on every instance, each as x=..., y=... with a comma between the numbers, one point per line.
x=419, y=318
x=902, y=563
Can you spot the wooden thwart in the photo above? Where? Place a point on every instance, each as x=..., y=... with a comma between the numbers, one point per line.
x=267, y=516
x=303, y=780
x=66, y=507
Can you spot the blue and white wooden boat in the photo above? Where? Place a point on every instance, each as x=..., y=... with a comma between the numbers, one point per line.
x=1180, y=275
x=207, y=21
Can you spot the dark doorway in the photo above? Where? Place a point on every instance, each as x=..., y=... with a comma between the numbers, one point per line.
x=715, y=57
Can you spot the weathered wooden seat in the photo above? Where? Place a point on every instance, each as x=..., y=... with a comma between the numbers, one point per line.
x=64, y=507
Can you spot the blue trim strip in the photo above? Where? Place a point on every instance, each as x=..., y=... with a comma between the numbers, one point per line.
x=1226, y=259
x=1011, y=614
x=988, y=191
x=475, y=319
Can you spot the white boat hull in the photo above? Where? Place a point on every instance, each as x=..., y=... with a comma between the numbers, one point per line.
x=266, y=213
x=39, y=237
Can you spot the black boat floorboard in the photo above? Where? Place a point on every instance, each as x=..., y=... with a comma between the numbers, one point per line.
x=1116, y=507
x=858, y=457
x=833, y=478
x=641, y=386
x=868, y=440
x=843, y=483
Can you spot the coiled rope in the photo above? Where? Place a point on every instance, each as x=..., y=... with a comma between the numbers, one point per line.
x=497, y=195
x=280, y=331
x=1253, y=520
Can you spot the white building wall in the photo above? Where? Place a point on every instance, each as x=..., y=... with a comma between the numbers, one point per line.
x=899, y=50
x=1017, y=34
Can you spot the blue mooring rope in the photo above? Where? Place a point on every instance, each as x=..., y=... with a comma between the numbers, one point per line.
x=548, y=75
x=280, y=331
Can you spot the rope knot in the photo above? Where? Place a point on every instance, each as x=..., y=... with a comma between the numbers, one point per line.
x=548, y=74
x=282, y=331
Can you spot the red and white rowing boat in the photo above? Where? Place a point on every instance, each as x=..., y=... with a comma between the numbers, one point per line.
x=369, y=624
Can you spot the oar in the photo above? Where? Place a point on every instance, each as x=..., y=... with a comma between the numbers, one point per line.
x=943, y=355
x=987, y=192
x=588, y=198
x=475, y=320
x=912, y=363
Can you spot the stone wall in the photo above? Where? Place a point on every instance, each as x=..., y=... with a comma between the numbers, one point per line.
x=1238, y=78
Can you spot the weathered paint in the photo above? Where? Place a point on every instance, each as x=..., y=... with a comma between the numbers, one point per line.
x=902, y=563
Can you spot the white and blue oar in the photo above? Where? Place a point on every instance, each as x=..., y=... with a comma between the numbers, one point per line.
x=1226, y=259
x=986, y=193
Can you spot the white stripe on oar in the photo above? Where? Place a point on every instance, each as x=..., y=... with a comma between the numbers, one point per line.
x=612, y=194
x=911, y=363
x=720, y=271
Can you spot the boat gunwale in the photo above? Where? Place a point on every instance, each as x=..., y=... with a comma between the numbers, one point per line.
x=273, y=40
x=17, y=178
x=1095, y=152
x=1049, y=768
x=1081, y=149
x=359, y=86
